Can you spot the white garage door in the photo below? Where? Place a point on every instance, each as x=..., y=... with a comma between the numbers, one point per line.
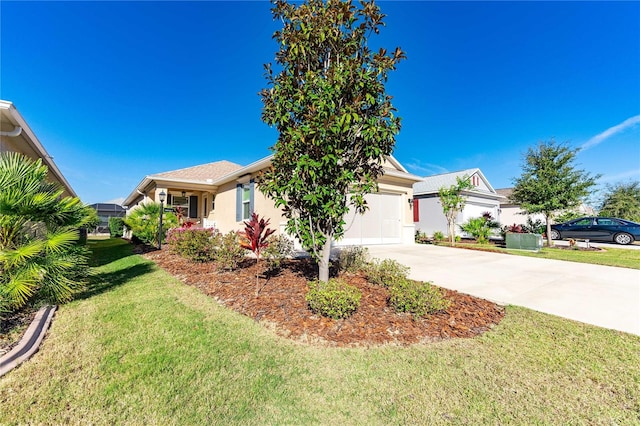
x=381, y=224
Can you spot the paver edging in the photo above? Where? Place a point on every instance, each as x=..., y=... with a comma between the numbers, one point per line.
x=30, y=342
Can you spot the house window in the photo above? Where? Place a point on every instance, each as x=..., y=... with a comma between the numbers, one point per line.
x=475, y=180
x=246, y=202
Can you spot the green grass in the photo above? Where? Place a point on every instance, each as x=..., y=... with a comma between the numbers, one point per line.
x=142, y=348
x=623, y=258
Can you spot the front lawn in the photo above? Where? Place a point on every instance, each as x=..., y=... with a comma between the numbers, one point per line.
x=623, y=258
x=143, y=348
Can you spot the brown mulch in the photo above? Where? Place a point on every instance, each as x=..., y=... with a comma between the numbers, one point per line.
x=13, y=326
x=281, y=305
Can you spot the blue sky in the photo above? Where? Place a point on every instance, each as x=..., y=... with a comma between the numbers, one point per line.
x=119, y=90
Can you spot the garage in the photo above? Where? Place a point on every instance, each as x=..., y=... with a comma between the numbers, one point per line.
x=381, y=224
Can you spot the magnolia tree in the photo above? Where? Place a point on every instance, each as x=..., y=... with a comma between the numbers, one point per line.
x=327, y=99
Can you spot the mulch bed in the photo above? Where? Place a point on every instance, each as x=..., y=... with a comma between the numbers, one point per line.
x=281, y=305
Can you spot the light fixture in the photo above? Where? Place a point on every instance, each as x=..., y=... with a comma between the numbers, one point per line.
x=161, y=196
x=410, y=200
x=184, y=194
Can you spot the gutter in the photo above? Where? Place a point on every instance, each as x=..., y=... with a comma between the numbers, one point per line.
x=13, y=133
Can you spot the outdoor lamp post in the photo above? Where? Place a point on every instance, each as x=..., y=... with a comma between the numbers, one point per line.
x=161, y=195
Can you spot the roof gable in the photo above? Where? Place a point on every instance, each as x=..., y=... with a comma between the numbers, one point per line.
x=432, y=184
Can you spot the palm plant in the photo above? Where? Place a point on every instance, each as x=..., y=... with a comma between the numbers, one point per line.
x=481, y=227
x=144, y=221
x=38, y=233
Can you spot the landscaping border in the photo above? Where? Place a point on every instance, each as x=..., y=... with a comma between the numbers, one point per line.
x=30, y=342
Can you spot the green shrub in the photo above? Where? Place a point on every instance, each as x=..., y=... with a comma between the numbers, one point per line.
x=438, y=236
x=417, y=298
x=197, y=244
x=353, y=258
x=386, y=272
x=280, y=247
x=116, y=227
x=334, y=299
x=422, y=237
x=228, y=253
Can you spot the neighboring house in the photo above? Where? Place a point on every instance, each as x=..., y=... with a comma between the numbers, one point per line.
x=427, y=209
x=105, y=212
x=17, y=136
x=511, y=213
x=224, y=194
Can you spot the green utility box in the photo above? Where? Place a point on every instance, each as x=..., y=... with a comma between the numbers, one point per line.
x=531, y=242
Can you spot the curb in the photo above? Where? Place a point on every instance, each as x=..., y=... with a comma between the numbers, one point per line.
x=30, y=342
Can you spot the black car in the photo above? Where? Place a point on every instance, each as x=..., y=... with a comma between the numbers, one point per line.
x=598, y=229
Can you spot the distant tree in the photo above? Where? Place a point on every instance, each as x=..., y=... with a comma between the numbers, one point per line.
x=622, y=200
x=335, y=121
x=550, y=182
x=453, y=200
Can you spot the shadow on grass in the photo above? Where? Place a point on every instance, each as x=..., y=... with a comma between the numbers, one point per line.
x=107, y=251
x=101, y=283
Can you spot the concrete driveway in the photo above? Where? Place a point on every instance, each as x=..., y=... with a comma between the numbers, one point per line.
x=600, y=295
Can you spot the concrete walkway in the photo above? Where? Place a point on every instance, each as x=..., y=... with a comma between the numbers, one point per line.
x=600, y=295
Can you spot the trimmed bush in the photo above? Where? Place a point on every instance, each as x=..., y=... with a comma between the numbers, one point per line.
x=335, y=299
x=280, y=247
x=229, y=254
x=417, y=298
x=353, y=258
x=116, y=227
x=386, y=272
x=196, y=244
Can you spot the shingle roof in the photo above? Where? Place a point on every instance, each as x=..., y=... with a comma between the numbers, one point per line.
x=202, y=172
x=431, y=184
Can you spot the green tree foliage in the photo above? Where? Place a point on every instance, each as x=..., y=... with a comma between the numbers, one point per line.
x=335, y=121
x=550, y=181
x=453, y=200
x=39, y=257
x=622, y=200
x=143, y=221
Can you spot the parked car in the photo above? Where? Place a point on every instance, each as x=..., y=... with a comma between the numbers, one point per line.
x=598, y=229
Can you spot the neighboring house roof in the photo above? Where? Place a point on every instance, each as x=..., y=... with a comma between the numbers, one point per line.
x=19, y=135
x=108, y=207
x=210, y=176
x=432, y=184
x=506, y=193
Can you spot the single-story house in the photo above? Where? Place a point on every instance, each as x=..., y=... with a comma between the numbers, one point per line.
x=511, y=213
x=223, y=194
x=105, y=212
x=17, y=136
x=428, y=215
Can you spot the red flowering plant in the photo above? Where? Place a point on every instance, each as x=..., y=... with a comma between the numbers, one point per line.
x=516, y=229
x=255, y=238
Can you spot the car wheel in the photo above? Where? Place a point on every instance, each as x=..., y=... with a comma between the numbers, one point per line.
x=623, y=238
x=555, y=235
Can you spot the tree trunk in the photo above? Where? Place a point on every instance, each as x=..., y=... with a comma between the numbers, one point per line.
x=452, y=233
x=323, y=264
x=549, y=241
